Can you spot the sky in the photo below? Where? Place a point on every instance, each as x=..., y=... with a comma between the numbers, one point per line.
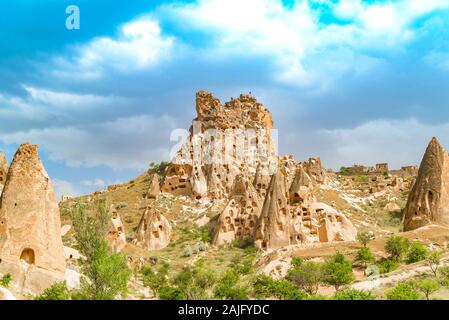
x=351, y=81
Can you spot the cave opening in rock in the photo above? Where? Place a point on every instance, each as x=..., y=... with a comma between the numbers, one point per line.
x=28, y=256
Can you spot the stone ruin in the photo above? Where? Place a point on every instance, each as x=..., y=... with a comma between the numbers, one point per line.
x=153, y=231
x=428, y=200
x=31, y=248
x=3, y=170
x=225, y=140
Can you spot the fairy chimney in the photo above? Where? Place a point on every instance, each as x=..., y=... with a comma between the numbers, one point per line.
x=153, y=190
x=428, y=201
x=3, y=170
x=241, y=214
x=154, y=230
x=273, y=230
x=31, y=248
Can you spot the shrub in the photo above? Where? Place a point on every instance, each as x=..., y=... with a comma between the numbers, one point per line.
x=417, y=252
x=5, y=280
x=108, y=273
x=427, y=287
x=58, y=291
x=228, y=287
x=338, y=271
x=403, y=291
x=364, y=256
x=167, y=292
x=364, y=237
x=285, y=290
x=307, y=276
x=397, y=247
x=353, y=294
x=154, y=279
x=387, y=266
x=434, y=261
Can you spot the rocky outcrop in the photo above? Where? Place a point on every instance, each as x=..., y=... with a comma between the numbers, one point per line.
x=3, y=170
x=31, y=248
x=240, y=216
x=428, y=200
x=333, y=225
x=117, y=235
x=153, y=190
x=225, y=140
x=154, y=230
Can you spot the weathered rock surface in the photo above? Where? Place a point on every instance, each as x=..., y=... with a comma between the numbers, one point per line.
x=240, y=216
x=428, y=201
x=3, y=170
x=154, y=189
x=31, y=248
x=117, y=235
x=154, y=230
x=225, y=140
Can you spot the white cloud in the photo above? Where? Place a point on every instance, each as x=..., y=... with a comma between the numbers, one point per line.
x=63, y=187
x=130, y=142
x=93, y=183
x=139, y=44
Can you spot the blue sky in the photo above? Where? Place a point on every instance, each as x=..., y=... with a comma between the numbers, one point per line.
x=351, y=81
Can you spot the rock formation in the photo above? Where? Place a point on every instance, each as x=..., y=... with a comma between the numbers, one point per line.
x=428, y=200
x=117, y=235
x=153, y=190
x=225, y=140
x=3, y=170
x=240, y=216
x=31, y=248
x=154, y=230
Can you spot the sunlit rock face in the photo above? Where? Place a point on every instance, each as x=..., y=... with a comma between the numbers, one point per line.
x=31, y=248
x=225, y=140
x=428, y=200
x=3, y=170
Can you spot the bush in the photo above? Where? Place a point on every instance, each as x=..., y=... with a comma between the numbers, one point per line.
x=433, y=261
x=387, y=266
x=58, y=291
x=285, y=290
x=427, y=287
x=171, y=293
x=352, y=294
x=108, y=272
x=228, y=287
x=154, y=279
x=403, y=291
x=397, y=247
x=364, y=256
x=364, y=237
x=338, y=271
x=417, y=252
x=306, y=276
x=5, y=280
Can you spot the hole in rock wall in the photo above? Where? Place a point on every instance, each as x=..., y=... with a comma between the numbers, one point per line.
x=27, y=255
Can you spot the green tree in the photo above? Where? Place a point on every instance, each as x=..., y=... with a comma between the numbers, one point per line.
x=364, y=256
x=387, y=266
x=434, y=261
x=397, y=247
x=228, y=287
x=58, y=291
x=403, y=291
x=417, y=251
x=5, y=280
x=307, y=276
x=338, y=271
x=353, y=294
x=108, y=273
x=428, y=287
x=364, y=237
x=155, y=279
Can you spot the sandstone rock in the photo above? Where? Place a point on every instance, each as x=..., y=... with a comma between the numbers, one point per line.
x=392, y=207
x=225, y=140
x=273, y=230
x=315, y=170
x=240, y=216
x=154, y=230
x=65, y=229
x=334, y=226
x=31, y=248
x=154, y=189
x=3, y=170
x=262, y=179
x=428, y=200
x=117, y=235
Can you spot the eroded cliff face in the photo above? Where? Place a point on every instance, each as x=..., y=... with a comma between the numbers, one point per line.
x=225, y=140
x=428, y=201
x=31, y=248
x=3, y=170
x=154, y=230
